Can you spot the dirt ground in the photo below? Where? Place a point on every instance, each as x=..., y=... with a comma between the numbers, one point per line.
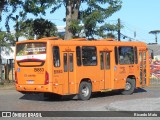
x=7, y=85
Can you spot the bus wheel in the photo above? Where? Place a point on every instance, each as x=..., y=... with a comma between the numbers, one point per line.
x=85, y=90
x=130, y=87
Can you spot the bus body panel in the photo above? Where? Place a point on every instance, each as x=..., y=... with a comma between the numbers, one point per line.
x=31, y=67
x=65, y=78
x=29, y=76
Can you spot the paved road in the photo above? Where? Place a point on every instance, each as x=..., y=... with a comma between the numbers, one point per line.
x=11, y=100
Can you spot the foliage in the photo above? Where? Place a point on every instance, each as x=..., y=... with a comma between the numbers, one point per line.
x=37, y=7
x=106, y=30
x=93, y=17
x=26, y=29
x=38, y=27
x=9, y=7
x=75, y=28
x=6, y=39
x=110, y=35
x=91, y=20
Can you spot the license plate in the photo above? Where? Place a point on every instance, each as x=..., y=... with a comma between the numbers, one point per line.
x=30, y=81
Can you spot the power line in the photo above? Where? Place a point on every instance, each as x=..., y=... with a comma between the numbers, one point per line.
x=137, y=35
x=56, y=19
x=140, y=32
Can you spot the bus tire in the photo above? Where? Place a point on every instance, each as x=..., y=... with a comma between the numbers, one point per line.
x=130, y=87
x=85, y=90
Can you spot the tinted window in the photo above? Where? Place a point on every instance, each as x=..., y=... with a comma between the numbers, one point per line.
x=31, y=54
x=56, y=56
x=71, y=62
x=102, y=60
x=89, y=56
x=126, y=55
x=116, y=55
x=78, y=55
x=135, y=54
x=30, y=48
x=65, y=62
x=107, y=60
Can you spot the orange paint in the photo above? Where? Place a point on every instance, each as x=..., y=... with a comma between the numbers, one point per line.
x=56, y=66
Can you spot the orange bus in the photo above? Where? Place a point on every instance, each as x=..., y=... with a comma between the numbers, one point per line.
x=80, y=67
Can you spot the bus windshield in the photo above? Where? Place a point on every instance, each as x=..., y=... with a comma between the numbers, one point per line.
x=31, y=52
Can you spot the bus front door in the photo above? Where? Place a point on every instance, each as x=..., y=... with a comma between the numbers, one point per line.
x=142, y=56
x=105, y=82
x=68, y=76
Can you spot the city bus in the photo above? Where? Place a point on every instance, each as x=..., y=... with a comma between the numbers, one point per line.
x=80, y=66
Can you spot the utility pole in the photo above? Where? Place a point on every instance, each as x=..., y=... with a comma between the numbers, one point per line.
x=17, y=30
x=156, y=38
x=0, y=60
x=155, y=32
x=119, y=30
x=0, y=64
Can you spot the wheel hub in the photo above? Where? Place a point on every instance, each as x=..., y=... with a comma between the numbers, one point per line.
x=128, y=86
x=85, y=91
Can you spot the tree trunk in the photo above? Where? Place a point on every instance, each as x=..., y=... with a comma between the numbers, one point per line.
x=0, y=66
x=76, y=10
x=72, y=10
x=68, y=34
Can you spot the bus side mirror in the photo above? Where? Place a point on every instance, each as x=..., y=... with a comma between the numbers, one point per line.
x=152, y=55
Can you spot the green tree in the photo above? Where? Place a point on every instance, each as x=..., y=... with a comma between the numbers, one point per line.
x=10, y=7
x=38, y=27
x=7, y=8
x=6, y=40
x=93, y=17
x=37, y=7
x=96, y=13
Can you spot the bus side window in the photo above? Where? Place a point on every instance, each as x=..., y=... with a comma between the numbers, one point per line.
x=116, y=55
x=102, y=60
x=78, y=55
x=65, y=60
x=126, y=55
x=56, y=56
x=107, y=60
x=89, y=56
x=135, y=54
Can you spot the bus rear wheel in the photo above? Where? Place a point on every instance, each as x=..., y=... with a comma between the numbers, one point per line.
x=85, y=90
x=130, y=87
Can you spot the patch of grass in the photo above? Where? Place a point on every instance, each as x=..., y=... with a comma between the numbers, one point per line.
x=7, y=85
x=1, y=83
